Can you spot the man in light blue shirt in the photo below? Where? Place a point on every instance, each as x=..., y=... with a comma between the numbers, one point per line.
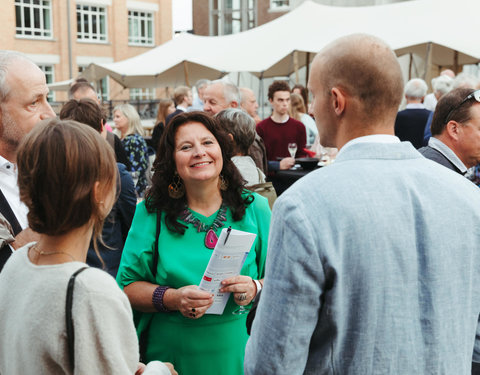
x=373, y=264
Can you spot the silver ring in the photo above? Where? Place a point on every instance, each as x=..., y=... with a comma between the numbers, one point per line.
x=242, y=297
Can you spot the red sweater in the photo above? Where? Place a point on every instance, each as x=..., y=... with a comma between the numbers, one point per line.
x=277, y=136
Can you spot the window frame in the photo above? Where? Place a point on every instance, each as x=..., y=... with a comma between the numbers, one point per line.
x=46, y=33
x=142, y=93
x=49, y=71
x=148, y=18
x=279, y=8
x=220, y=15
x=89, y=36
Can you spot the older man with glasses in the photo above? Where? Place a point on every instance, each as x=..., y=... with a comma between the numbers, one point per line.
x=455, y=141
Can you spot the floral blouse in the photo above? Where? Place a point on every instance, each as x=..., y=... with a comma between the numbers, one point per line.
x=136, y=149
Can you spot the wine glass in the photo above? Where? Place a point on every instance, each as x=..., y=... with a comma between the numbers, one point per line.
x=240, y=311
x=292, y=149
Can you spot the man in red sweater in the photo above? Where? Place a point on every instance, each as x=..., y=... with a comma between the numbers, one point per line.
x=278, y=130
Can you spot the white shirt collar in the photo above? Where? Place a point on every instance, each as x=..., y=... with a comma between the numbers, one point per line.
x=7, y=165
x=446, y=151
x=415, y=106
x=181, y=108
x=374, y=138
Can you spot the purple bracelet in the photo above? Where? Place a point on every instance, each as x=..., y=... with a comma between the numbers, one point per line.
x=157, y=298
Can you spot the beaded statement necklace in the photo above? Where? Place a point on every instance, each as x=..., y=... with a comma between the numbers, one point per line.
x=211, y=237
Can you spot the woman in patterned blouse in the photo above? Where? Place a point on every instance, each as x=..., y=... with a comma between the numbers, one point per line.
x=127, y=121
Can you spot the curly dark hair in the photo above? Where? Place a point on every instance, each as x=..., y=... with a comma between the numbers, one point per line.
x=157, y=198
x=277, y=86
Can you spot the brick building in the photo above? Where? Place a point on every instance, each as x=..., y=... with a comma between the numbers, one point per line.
x=101, y=31
x=222, y=17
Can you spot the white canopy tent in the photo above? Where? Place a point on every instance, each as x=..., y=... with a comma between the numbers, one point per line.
x=436, y=30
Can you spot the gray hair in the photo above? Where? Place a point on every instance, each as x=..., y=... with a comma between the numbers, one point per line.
x=134, y=123
x=464, y=80
x=416, y=88
x=231, y=92
x=201, y=83
x=240, y=125
x=442, y=84
x=243, y=93
x=6, y=59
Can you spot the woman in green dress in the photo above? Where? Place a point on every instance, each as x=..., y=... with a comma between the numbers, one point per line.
x=196, y=190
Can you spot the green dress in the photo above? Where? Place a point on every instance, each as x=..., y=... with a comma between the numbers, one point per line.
x=213, y=344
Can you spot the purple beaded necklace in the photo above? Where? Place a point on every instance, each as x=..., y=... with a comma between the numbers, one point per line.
x=211, y=237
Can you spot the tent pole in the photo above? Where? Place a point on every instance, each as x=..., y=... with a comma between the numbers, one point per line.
x=69, y=35
x=307, y=73
x=185, y=72
x=260, y=95
x=455, y=62
x=295, y=65
x=410, y=67
x=428, y=58
x=307, y=64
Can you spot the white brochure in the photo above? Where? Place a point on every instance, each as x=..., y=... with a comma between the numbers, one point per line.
x=227, y=259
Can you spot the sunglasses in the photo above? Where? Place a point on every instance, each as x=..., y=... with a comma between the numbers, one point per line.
x=475, y=95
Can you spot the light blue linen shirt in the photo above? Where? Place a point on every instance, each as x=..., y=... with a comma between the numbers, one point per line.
x=373, y=267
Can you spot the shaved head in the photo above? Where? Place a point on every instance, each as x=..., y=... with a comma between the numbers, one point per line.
x=366, y=68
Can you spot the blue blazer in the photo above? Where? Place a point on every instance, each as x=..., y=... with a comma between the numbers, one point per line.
x=410, y=125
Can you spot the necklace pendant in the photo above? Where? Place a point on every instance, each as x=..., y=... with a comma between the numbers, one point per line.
x=211, y=239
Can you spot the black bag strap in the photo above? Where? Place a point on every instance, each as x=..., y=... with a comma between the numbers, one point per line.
x=155, y=246
x=142, y=341
x=6, y=211
x=69, y=320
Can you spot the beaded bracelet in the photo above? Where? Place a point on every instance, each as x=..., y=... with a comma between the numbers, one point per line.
x=157, y=298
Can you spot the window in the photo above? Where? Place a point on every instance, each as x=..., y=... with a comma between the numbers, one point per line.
x=48, y=70
x=91, y=23
x=33, y=18
x=102, y=86
x=232, y=16
x=279, y=4
x=140, y=28
x=142, y=94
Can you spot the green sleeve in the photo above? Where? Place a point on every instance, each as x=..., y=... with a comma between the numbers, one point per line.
x=263, y=214
x=137, y=257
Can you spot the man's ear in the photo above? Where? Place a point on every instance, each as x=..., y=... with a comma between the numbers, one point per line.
x=233, y=104
x=453, y=129
x=338, y=101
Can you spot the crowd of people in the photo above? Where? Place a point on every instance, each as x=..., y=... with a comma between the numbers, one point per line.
x=367, y=266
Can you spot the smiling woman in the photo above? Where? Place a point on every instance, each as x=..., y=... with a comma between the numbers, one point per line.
x=196, y=190
x=198, y=156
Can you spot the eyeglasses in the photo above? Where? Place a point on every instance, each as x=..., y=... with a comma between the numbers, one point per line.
x=475, y=95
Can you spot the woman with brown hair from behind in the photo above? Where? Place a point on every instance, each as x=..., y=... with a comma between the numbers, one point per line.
x=67, y=179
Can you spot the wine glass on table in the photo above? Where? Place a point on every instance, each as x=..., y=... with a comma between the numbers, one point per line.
x=292, y=149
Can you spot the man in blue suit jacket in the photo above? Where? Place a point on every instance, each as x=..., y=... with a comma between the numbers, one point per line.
x=410, y=123
x=370, y=268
